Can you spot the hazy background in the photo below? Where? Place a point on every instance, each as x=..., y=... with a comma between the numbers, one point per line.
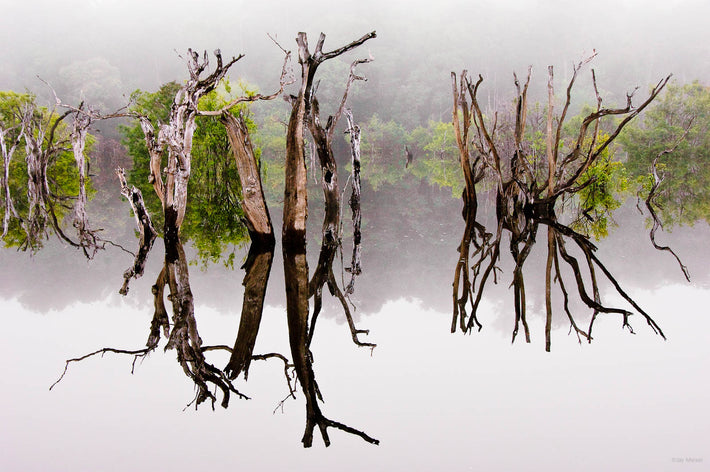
x=102, y=49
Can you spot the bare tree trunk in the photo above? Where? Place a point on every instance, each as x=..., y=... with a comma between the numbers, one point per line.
x=253, y=201
x=184, y=337
x=258, y=268
x=551, y=249
x=7, y=154
x=294, y=234
x=355, y=269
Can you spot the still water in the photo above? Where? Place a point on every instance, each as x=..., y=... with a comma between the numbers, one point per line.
x=434, y=400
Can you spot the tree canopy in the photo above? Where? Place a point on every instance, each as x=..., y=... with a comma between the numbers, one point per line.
x=679, y=122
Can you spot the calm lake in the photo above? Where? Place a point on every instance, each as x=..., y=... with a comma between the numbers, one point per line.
x=433, y=399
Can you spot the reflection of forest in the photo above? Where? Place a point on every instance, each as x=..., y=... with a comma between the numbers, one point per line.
x=411, y=223
x=410, y=234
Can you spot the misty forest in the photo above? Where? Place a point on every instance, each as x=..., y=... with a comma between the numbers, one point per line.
x=280, y=211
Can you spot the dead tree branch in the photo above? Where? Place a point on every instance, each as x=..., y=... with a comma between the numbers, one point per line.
x=137, y=354
x=354, y=131
x=145, y=228
x=657, y=180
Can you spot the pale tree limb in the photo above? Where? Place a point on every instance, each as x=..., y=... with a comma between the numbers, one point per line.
x=145, y=228
x=354, y=131
x=287, y=78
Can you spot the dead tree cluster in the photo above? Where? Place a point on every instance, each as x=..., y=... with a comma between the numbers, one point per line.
x=47, y=136
x=170, y=182
x=527, y=191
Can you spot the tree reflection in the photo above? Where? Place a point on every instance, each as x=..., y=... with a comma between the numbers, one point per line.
x=528, y=185
x=304, y=109
x=178, y=324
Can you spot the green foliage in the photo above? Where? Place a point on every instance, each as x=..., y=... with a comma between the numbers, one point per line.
x=270, y=138
x=437, y=160
x=680, y=120
x=598, y=200
x=213, y=219
x=62, y=173
x=382, y=151
x=155, y=106
x=435, y=155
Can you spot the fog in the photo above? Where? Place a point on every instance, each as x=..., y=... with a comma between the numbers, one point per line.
x=436, y=400
x=103, y=49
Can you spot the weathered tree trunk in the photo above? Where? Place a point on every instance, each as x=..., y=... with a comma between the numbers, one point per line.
x=462, y=286
x=87, y=238
x=253, y=201
x=184, y=337
x=258, y=268
x=294, y=236
x=7, y=154
x=355, y=269
x=323, y=139
x=258, y=264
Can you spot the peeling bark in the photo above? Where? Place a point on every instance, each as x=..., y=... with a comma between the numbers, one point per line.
x=176, y=136
x=7, y=153
x=354, y=131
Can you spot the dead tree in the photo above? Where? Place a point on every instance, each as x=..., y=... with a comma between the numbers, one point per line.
x=13, y=134
x=651, y=204
x=253, y=202
x=525, y=199
x=175, y=137
x=331, y=229
x=473, y=173
x=294, y=236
